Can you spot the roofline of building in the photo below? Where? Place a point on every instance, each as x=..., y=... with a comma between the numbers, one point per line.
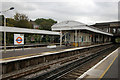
x=84, y=28
x=25, y=30
x=108, y=22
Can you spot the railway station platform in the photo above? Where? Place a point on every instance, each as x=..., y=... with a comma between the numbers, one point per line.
x=10, y=54
x=28, y=52
x=27, y=45
x=106, y=69
x=40, y=58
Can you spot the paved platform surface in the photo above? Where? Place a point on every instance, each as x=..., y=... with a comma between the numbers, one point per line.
x=106, y=69
x=20, y=46
x=113, y=71
x=18, y=54
x=30, y=51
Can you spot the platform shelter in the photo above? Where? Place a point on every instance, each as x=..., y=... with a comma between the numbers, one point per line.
x=75, y=33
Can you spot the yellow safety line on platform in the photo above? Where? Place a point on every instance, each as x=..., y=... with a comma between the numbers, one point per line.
x=21, y=56
x=30, y=55
x=25, y=55
x=17, y=57
x=107, y=68
x=36, y=54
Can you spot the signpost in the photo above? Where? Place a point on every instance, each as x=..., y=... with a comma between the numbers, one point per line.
x=19, y=39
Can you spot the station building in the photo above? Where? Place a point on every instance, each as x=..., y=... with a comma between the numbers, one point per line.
x=111, y=27
x=75, y=33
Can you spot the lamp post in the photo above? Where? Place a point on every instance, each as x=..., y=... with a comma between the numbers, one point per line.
x=4, y=27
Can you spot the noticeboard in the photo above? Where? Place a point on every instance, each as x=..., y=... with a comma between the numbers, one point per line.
x=18, y=39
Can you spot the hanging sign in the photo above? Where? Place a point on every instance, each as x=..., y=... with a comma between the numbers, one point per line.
x=18, y=39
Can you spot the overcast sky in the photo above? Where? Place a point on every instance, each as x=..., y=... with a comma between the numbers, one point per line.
x=85, y=11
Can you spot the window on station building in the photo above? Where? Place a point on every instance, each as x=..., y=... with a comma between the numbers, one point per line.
x=105, y=29
x=89, y=38
x=84, y=38
x=68, y=36
x=114, y=30
x=81, y=38
x=118, y=30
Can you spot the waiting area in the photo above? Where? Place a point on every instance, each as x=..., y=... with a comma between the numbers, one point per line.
x=76, y=34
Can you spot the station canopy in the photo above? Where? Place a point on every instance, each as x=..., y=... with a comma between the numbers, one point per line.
x=75, y=25
x=25, y=30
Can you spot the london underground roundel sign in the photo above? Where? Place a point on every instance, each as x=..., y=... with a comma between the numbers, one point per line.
x=18, y=39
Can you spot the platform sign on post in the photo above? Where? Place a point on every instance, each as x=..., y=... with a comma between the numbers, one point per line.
x=18, y=39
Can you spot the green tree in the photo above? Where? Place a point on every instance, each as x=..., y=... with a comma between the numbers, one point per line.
x=10, y=22
x=45, y=24
x=22, y=21
x=1, y=20
x=19, y=17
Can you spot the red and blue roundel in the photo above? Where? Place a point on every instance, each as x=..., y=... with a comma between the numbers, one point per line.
x=19, y=40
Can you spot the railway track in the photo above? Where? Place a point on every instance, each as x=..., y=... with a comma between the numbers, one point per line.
x=76, y=65
x=78, y=71
x=56, y=68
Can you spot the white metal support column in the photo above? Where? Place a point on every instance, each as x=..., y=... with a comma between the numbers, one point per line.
x=98, y=38
x=65, y=38
x=79, y=38
x=60, y=38
x=75, y=38
x=4, y=35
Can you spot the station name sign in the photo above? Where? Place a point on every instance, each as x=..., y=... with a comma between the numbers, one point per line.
x=18, y=39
